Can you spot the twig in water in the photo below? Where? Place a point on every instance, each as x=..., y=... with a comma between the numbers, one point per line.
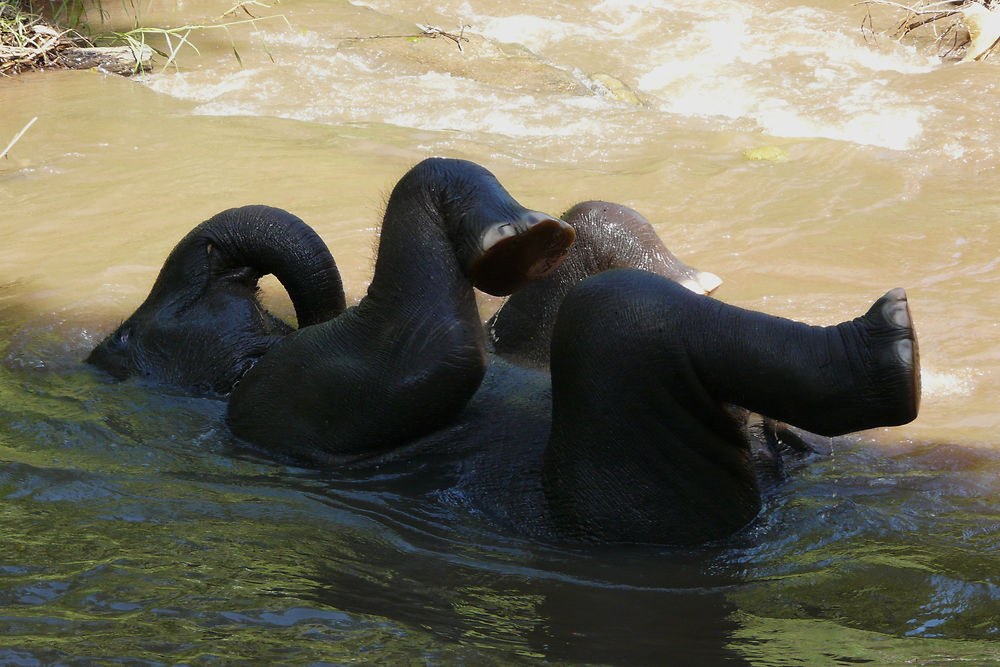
x=425, y=31
x=434, y=31
x=19, y=134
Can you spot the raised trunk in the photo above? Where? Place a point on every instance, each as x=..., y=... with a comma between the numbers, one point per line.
x=406, y=360
x=250, y=242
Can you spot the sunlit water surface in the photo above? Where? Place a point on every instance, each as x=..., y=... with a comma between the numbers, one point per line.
x=135, y=530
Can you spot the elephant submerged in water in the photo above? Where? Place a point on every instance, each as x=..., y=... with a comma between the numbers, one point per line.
x=609, y=420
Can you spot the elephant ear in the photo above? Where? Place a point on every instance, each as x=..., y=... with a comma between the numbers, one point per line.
x=243, y=244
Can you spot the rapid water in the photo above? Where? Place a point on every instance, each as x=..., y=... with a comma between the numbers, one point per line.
x=133, y=529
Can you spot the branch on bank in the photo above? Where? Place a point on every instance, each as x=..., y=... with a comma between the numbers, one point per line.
x=961, y=29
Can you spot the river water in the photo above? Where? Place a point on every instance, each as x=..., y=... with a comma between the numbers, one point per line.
x=133, y=529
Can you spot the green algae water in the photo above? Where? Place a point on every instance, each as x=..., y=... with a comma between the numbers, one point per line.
x=135, y=530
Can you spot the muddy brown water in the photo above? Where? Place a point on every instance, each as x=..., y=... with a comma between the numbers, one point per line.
x=133, y=529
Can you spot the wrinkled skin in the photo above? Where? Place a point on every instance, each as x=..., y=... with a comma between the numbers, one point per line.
x=629, y=436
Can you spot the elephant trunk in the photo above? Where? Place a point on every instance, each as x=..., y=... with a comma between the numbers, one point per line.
x=249, y=242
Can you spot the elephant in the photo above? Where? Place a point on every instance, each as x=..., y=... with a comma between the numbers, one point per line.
x=608, y=236
x=622, y=433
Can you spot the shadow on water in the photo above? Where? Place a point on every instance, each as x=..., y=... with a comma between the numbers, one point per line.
x=135, y=529
x=589, y=606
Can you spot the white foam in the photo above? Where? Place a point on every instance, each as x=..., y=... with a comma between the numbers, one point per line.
x=197, y=86
x=723, y=68
x=935, y=383
x=531, y=31
x=898, y=129
x=777, y=70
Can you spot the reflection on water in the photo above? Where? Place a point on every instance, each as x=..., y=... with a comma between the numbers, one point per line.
x=134, y=529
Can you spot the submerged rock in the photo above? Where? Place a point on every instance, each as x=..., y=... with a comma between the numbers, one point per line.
x=609, y=86
x=766, y=154
x=469, y=56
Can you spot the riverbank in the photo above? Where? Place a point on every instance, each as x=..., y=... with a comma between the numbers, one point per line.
x=58, y=34
x=31, y=40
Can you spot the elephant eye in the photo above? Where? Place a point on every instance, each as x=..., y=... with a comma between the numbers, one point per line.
x=122, y=337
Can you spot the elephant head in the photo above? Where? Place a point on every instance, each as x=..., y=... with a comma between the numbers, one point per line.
x=608, y=236
x=202, y=325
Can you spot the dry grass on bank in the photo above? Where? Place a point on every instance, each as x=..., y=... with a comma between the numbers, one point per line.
x=28, y=42
x=30, y=39
x=960, y=29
